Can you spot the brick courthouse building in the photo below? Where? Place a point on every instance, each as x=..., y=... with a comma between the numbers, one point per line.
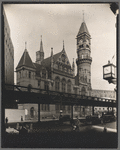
x=55, y=73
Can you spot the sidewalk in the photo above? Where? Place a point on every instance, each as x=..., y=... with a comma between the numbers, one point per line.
x=44, y=120
x=107, y=129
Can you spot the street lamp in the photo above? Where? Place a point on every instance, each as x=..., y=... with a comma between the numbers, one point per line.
x=109, y=73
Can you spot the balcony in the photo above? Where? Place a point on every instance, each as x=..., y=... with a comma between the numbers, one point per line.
x=84, y=58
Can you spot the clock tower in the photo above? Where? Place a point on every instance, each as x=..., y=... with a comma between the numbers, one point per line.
x=84, y=60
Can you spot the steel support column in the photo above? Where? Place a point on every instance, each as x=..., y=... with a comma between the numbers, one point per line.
x=108, y=109
x=38, y=112
x=72, y=112
x=80, y=110
x=92, y=110
x=112, y=109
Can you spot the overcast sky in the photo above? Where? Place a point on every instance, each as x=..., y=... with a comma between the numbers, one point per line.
x=58, y=22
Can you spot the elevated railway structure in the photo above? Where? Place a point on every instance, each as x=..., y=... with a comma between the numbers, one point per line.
x=15, y=94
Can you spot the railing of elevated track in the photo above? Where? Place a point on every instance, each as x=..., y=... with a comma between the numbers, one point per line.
x=66, y=97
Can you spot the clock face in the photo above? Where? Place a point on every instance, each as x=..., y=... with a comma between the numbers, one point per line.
x=107, y=70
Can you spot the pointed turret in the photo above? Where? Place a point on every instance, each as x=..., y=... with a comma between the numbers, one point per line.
x=83, y=30
x=25, y=60
x=40, y=53
x=25, y=69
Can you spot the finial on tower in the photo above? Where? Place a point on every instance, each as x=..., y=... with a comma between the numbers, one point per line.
x=25, y=45
x=83, y=15
x=63, y=45
x=41, y=37
x=51, y=51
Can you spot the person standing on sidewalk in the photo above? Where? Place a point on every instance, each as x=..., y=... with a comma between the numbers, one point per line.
x=21, y=118
x=6, y=121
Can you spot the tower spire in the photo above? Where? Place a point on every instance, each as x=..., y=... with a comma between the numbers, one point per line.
x=41, y=45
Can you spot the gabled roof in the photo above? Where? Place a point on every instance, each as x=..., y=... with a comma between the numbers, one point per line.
x=25, y=60
x=46, y=62
x=83, y=29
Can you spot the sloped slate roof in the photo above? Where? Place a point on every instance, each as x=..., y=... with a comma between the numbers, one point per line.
x=83, y=29
x=25, y=60
x=38, y=67
x=46, y=62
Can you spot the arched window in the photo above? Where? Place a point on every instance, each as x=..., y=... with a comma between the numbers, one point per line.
x=57, y=83
x=63, y=85
x=26, y=112
x=29, y=74
x=83, y=91
x=44, y=73
x=69, y=86
x=46, y=85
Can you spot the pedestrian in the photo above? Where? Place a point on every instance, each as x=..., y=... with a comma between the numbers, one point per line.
x=21, y=118
x=77, y=123
x=6, y=120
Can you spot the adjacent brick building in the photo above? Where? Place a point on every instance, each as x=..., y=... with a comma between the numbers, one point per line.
x=8, y=53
